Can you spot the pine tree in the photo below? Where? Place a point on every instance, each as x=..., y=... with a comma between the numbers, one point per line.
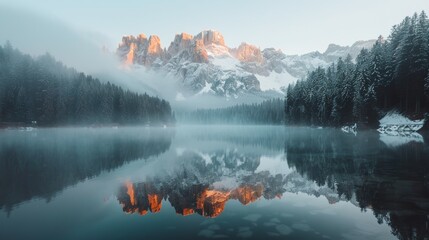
x=393, y=75
x=45, y=91
x=427, y=86
x=420, y=58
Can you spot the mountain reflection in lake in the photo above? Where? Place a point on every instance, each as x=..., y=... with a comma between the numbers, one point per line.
x=231, y=182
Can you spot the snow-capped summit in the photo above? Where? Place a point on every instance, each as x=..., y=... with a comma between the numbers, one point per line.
x=205, y=64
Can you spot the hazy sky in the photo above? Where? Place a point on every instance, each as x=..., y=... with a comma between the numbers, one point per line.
x=295, y=26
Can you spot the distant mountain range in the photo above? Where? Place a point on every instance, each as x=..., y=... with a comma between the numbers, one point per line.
x=204, y=64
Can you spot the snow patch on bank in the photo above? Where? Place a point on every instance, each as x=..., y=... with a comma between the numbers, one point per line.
x=400, y=139
x=394, y=122
x=394, y=118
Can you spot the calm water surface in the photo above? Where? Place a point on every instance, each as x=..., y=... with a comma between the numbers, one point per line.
x=212, y=182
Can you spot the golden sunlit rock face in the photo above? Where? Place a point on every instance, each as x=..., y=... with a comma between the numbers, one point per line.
x=131, y=54
x=248, y=194
x=248, y=53
x=130, y=192
x=149, y=52
x=154, y=46
x=140, y=50
x=211, y=203
x=143, y=51
x=187, y=211
x=143, y=197
x=200, y=53
x=181, y=41
x=154, y=202
x=140, y=199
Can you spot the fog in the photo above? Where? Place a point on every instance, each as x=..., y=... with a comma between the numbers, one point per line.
x=36, y=34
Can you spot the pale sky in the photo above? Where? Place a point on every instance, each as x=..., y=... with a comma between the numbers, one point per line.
x=296, y=27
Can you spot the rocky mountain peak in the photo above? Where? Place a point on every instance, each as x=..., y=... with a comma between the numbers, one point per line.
x=248, y=53
x=204, y=64
x=127, y=40
x=199, y=52
x=211, y=37
x=140, y=50
x=335, y=51
x=185, y=36
x=130, y=57
x=364, y=44
x=154, y=45
x=141, y=37
x=332, y=48
x=181, y=42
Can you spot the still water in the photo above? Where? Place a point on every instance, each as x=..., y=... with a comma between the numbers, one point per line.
x=212, y=182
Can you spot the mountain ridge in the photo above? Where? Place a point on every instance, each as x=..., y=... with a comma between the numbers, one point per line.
x=205, y=64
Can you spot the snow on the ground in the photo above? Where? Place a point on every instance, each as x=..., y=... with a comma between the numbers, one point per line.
x=275, y=81
x=394, y=118
x=395, y=122
x=350, y=129
x=398, y=140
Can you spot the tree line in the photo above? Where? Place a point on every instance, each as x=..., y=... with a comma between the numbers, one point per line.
x=267, y=112
x=392, y=75
x=45, y=91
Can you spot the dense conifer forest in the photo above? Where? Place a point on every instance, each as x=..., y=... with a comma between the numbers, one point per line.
x=43, y=90
x=393, y=75
x=267, y=112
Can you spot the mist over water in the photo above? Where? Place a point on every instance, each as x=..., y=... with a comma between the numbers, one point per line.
x=206, y=182
x=186, y=120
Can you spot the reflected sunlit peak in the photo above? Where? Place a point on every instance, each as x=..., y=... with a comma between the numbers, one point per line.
x=130, y=192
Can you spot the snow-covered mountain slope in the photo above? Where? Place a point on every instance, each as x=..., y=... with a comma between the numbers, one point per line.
x=204, y=64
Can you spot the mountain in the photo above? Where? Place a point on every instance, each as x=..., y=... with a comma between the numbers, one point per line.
x=204, y=64
x=204, y=182
x=300, y=65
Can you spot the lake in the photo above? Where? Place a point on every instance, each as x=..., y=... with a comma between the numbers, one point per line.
x=204, y=182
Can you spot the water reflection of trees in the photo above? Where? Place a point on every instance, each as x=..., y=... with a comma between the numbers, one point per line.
x=39, y=164
x=267, y=137
x=393, y=182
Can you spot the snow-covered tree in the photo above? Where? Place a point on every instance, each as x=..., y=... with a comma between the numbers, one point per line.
x=393, y=74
